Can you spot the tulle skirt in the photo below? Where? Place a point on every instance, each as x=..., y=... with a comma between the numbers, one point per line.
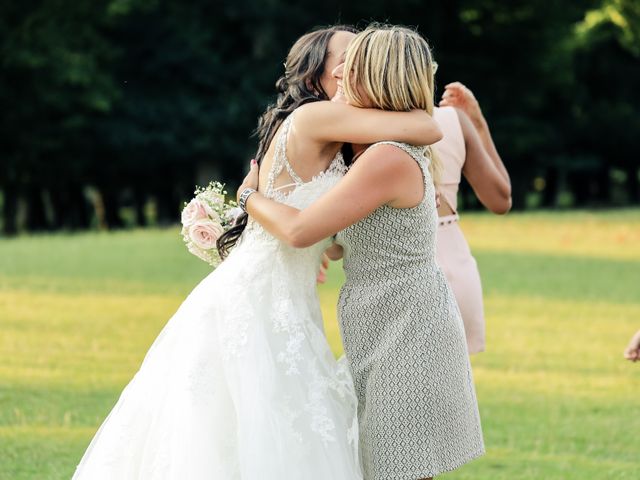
x=240, y=384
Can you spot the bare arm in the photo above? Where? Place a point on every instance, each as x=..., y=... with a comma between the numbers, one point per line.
x=490, y=184
x=459, y=96
x=482, y=127
x=380, y=176
x=339, y=122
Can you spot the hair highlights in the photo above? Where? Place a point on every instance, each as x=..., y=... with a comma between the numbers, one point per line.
x=391, y=68
x=300, y=84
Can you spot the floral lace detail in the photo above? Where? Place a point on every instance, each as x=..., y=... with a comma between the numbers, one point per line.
x=249, y=335
x=291, y=355
x=315, y=415
x=234, y=338
x=321, y=423
x=248, y=341
x=300, y=197
x=286, y=322
x=280, y=160
x=292, y=416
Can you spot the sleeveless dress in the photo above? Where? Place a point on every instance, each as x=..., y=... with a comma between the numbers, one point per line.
x=241, y=383
x=404, y=340
x=453, y=253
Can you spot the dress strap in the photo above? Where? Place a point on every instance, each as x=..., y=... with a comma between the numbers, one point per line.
x=282, y=149
x=421, y=154
x=418, y=153
x=280, y=160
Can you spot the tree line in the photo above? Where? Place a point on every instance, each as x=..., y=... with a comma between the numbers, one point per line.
x=112, y=110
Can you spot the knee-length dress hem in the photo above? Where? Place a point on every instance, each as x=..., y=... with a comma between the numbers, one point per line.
x=405, y=344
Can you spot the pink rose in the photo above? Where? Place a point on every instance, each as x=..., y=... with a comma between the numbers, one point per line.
x=205, y=233
x=197, y=210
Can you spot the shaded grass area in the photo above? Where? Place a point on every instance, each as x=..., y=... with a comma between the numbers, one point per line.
x=78, y=312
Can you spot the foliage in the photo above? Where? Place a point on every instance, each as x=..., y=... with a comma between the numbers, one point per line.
x=128, y=103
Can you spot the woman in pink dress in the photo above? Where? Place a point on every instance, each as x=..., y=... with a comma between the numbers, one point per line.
x=466, y=149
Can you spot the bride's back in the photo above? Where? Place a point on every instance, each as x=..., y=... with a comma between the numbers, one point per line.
x=294, y=158
x=281, y=182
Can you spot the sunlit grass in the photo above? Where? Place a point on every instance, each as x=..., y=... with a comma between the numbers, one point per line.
x=78, y=312
x=607, y=235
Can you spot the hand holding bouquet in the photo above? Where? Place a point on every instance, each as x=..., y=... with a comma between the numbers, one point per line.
x=205, y=218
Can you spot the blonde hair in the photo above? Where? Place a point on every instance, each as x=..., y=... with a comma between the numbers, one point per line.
x=394, y=70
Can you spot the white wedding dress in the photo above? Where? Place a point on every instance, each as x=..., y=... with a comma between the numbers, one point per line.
x=241, y=383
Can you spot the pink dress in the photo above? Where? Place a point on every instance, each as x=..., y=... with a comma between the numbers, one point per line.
x=452, y=250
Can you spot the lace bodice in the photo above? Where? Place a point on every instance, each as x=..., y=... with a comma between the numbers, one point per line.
x=298, y=194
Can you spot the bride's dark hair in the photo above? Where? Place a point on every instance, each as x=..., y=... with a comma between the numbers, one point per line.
x=300, y=84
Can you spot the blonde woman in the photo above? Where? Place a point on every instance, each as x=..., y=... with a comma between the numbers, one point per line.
x=466, y=149
x=402, y=332
x=241, y=383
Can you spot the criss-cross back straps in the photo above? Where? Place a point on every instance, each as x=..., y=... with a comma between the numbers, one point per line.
x=280, y=159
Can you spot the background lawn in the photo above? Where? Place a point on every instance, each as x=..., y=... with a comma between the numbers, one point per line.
x=78, y=312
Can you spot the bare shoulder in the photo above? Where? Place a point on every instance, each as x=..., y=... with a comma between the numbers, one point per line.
x=387, y=159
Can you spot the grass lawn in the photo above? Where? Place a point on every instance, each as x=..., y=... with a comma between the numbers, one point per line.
x=562, y=294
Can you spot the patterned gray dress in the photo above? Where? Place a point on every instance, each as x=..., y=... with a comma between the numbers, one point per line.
x=404, y=340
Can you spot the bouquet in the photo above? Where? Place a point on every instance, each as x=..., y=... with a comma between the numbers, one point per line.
x=205, y=218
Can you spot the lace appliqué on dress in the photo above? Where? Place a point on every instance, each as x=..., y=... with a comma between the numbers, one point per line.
x=234, y=338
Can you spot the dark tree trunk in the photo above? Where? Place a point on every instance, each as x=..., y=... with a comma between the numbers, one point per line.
x=139, y=201
x=10, y=210
x=580, y=186
x=601, y=185
x=71, y=209
x=550, y=192
x=80, y=217
x=167, y=209
x=58, y=206
x=36, y=213
x=633, y=184
x=111, y=208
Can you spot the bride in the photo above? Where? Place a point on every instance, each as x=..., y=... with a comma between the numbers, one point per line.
x=241, y=382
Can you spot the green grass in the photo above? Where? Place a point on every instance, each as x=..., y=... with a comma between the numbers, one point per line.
x=562, y=293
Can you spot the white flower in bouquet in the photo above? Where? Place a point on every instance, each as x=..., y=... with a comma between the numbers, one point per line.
x=204, y=219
